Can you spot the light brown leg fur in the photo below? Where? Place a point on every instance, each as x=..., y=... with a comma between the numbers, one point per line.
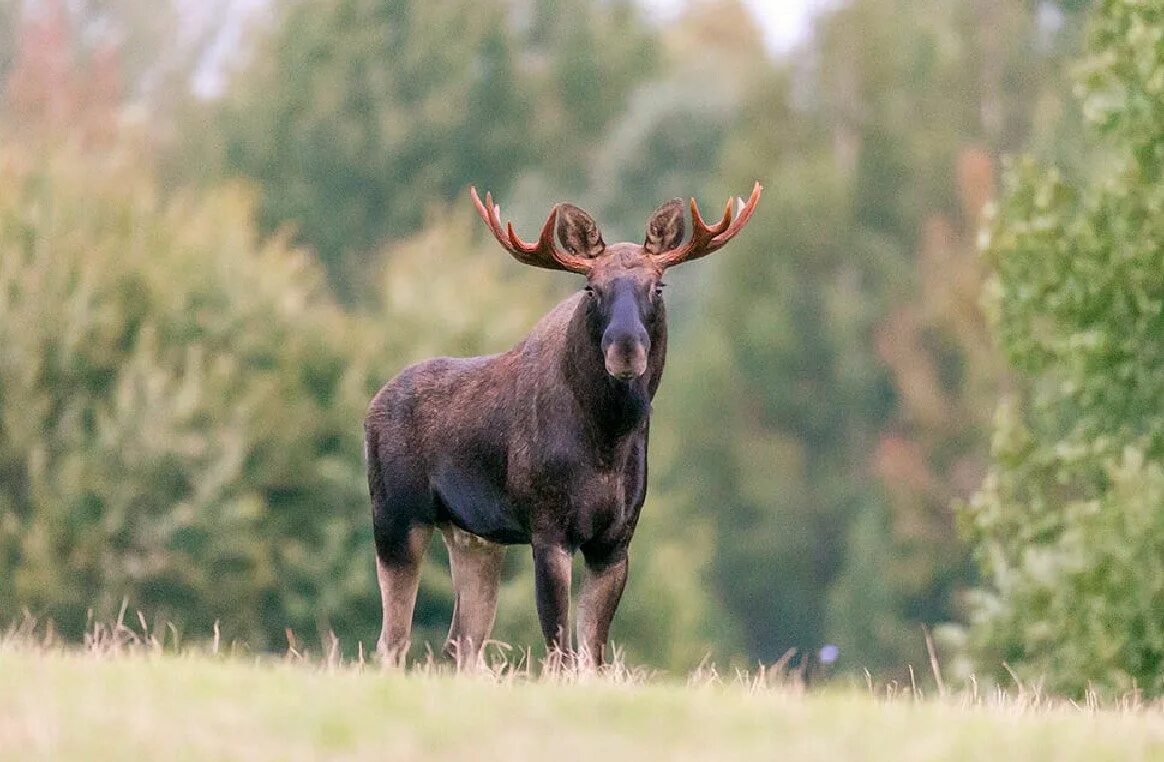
x=476, y=567
x=398, y=585
x=602, y=588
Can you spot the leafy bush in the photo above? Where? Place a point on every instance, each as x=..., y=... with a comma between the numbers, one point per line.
x=1069, y=525
x=177, y=408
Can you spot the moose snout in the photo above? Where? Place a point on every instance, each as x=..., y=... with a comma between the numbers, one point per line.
x=625, y=353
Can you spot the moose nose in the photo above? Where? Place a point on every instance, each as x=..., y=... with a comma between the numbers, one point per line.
x=625, y=353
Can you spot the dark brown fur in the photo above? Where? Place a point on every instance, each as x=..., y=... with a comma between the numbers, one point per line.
x=545, y=445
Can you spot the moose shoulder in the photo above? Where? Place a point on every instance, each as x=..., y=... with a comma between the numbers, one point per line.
x=545, y=444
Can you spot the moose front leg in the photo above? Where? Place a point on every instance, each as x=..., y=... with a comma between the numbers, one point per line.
x=601, y=591
x=552, y=583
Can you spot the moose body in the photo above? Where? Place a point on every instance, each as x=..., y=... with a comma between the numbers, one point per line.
x=544, y=445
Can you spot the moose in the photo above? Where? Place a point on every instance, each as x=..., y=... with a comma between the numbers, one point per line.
x=544, y=445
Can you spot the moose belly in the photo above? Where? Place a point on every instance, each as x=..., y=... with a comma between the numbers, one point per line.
x=472, y=502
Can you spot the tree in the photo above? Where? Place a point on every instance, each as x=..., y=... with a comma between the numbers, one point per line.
x=906, y=564
x=357, y=115
x=1068, y=525
x=59, y=90
x=176, y=408
x=155, y=49
x=174, y=412
x=820, y=338
x=344, y=116
x=9, y=23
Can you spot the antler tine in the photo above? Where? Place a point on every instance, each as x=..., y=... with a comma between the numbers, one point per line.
x=717, y=228
x=486, y=212
x=701, y=232
x=745, y=214
x=545, y=237
x=545, y=253
x=708, y=238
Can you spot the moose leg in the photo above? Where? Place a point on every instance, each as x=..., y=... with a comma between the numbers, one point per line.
x=601, y=590
x=476, y=567
x=552, y=583
x=398, y=571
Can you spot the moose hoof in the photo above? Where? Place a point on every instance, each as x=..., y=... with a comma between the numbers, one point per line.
x=391, y=656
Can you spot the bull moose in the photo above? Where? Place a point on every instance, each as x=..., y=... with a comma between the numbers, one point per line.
x=544, y=445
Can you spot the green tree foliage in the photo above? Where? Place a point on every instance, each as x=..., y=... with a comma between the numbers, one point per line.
x=1068, y=525
x=905, y=554
x=177, y=404
x=585, y=62
x=983, y=79
x=9, y=22
x=358, y=115
x=669, y=140
x=839, y=329
x=787, y=404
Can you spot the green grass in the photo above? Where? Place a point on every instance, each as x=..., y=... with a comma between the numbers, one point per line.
x=76, y=705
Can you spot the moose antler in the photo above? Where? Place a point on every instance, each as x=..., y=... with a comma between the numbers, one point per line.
x=708, y=238
x=545, y=253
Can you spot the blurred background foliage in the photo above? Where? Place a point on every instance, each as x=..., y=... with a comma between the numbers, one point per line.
x=1069, y=523
x=223, y=225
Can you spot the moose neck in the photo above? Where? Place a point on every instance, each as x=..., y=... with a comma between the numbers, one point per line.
x=613, y=408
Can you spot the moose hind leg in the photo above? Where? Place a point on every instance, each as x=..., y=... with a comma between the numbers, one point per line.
x=398, y=572
x=476, y=568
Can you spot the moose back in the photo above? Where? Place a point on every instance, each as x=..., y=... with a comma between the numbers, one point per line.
x=544, y=445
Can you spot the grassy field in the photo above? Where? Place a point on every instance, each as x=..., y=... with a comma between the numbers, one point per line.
x=73, y=705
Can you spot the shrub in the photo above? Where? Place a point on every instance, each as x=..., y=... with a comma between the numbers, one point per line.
x=179, y=411
x=1069, y=525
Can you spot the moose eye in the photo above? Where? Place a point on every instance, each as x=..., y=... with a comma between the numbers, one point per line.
x=589, y=291
x=659, y=289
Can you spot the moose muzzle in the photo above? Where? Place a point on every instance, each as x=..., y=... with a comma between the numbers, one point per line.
x=626, y=344
x=626, y=359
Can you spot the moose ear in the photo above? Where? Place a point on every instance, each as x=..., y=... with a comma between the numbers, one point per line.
x=579, y=232
x=666, y=228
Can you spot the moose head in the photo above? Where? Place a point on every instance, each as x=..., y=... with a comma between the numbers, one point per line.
x=624, y=284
